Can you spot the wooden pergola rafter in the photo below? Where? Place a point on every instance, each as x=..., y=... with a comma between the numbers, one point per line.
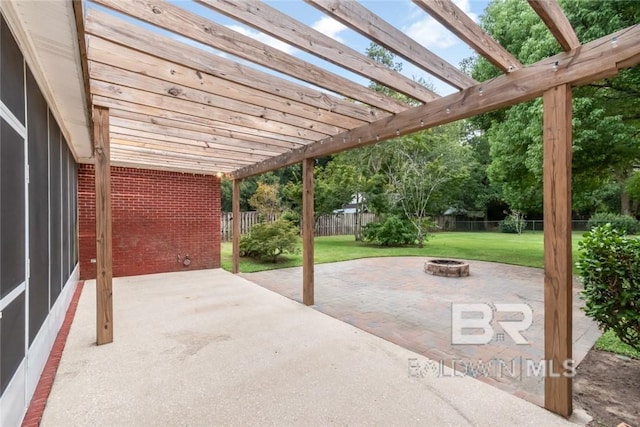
x=182, y=92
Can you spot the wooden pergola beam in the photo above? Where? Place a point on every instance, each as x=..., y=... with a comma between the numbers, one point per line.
x=180, y=120
x=308, y=226
x=555, y=19
x=592, y=61
x=138, y=163
x=141, y=136
x=360, y=19
x=78, y=12
x=235, y=234
x=125, y=142
x=108, y=27
x=169, y=154
x=104, y=260
x=281, y=26
x=141, y=81
x=199, y=139
x=139, y=119
x=558, y=277
x=137, y=96
x=455, y=20
x=123, y=156
x=114, y=55
x=195, y=27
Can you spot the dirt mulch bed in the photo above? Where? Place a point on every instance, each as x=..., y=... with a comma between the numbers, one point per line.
x=608, y=388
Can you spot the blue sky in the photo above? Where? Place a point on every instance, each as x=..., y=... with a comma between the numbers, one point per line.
x=402, y=14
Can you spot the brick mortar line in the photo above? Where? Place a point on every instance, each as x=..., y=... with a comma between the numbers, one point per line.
x=33, y=417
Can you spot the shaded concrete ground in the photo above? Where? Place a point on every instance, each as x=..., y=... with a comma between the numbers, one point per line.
x=207, y=348
x=394, y=298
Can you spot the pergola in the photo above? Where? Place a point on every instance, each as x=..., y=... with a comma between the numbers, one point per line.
x=160, y=102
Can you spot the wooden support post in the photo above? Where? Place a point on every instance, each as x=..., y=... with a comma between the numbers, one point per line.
x=104, y=262
x=308, y=223
x=235, y=221
x=558, y=281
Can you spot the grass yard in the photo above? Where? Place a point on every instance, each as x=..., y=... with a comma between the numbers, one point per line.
x=525, y=249
x=609, y=342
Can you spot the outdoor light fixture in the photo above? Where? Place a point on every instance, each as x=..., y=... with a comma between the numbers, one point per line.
x=614, y=42
x=555, y=66
x=219, y=175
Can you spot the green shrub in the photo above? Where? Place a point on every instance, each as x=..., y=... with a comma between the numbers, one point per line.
x=609, y=265
x=291, y=216
x=513, y=223
x=392, y=231
x=270, y=240
x=624, y=223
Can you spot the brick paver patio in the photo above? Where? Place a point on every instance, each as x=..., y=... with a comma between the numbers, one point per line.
x=395, y=299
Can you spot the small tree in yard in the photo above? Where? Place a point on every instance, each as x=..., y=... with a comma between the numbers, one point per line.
x=609, y=265
x=513, y=223
x=268, y=240
x=424, y=169
x=265, y=201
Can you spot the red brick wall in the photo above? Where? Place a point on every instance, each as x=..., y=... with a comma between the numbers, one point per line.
x=157, y=216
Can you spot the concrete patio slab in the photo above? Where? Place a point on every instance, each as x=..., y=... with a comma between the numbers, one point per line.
x=208, y=348
x=395, y=299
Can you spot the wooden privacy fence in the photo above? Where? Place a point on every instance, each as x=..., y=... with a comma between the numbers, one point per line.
x=326, y=225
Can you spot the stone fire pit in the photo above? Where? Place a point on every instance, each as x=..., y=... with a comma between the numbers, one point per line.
x=446, y=268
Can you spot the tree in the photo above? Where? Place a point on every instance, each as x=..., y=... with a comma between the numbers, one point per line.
x=605, y=114
x=633, y=189
x=425, y=174
x=331, y=190
x=266, y=201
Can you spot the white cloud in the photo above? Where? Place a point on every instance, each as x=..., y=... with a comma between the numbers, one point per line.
x=428, y=32
x=264, y=38
x=329, y=27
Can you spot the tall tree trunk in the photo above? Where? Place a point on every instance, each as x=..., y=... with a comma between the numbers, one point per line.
x=625, y=203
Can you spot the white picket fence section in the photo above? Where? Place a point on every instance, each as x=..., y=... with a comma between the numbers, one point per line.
x=326, y=225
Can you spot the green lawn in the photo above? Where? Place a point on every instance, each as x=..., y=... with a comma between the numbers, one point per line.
x=525, y=249
x=609, y=342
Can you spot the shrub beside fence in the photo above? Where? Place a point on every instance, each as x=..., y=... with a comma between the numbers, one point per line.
x=326, y=225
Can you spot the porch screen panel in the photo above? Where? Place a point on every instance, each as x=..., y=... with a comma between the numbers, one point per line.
x=12, y=200
x=64, y=190
x=55, y=207
x=11, y=72
x=38, y=207
x=11, y=340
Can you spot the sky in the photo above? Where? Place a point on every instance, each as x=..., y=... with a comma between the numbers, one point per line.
x=402, y=14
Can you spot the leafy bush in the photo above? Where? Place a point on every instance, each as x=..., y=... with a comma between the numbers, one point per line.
x=392, y=231
x=624, y=223
x=513, y=223
x=291, y=216
x=270, y=240
x=609, y=265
